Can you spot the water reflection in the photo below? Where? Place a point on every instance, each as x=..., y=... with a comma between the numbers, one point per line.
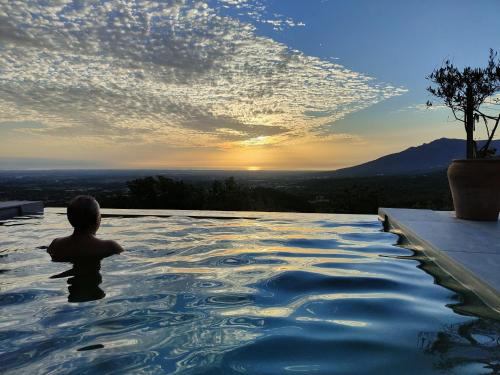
x=241, y=296
x=83, y=281
x=473, y=347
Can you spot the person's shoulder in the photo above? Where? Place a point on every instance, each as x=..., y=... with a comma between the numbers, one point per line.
x=53, y=244
x=56, y=247
x=113, y=247
x=56, y=244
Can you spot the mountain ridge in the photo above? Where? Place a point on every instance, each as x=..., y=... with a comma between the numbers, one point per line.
x=428, y=157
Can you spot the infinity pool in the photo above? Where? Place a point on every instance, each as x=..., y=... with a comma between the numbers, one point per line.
x=266, y=294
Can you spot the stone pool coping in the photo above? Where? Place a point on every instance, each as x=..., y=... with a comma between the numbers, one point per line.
x=10, y=209
x=469, y=251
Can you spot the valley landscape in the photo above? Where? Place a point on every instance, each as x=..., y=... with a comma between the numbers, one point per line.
x=412, y=178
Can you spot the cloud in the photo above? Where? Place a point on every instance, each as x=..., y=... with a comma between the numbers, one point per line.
x=421, y=107
x=181, y=72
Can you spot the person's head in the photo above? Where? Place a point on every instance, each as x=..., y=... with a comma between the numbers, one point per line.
x=83, y=213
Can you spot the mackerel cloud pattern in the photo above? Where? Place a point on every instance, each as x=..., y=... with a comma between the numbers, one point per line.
x=180, y=72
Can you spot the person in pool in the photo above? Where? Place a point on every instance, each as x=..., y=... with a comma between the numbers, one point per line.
x=85, y=217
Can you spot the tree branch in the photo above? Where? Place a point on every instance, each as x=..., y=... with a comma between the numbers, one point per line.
x=455, y=115
x=484, y=115
x=490, y=138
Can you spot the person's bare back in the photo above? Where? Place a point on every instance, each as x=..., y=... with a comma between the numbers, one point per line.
x=85, y=217
x=76, y=247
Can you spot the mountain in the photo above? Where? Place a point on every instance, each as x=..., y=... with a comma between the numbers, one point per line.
x=425, y=158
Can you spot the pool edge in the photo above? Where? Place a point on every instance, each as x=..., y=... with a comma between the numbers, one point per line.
x=395, y=220
x=11, y=209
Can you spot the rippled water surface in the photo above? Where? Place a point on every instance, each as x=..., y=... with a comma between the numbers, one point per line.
x=283, y=293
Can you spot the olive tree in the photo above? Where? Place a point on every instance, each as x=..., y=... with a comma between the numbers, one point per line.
x=466, y=93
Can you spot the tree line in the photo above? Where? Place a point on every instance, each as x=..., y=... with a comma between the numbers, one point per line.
x=363, y=195
x=165, y=193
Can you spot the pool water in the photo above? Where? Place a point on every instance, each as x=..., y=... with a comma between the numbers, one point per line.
x=274, y=294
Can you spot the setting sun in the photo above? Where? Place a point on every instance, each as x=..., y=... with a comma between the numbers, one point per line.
x=253, y=168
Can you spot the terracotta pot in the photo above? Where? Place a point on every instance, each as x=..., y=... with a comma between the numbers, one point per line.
x=475, y=187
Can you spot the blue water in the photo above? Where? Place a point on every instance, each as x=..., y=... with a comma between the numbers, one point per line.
x=282, y=294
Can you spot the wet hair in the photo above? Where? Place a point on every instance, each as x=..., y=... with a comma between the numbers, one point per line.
x=83, y=212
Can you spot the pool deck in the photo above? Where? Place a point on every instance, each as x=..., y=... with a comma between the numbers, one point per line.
x=9, y=209
x=469, y=251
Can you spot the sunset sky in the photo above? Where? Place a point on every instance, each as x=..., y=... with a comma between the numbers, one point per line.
x=228, y=84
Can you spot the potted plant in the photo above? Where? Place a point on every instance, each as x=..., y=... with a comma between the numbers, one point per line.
x=470, y=94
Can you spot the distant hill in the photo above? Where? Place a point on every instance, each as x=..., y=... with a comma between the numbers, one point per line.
x=428, y=157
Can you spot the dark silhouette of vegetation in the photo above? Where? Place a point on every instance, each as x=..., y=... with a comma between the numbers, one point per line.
x=161, y=192
x=464, y=92
x=363, y=195
x=166, y=193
